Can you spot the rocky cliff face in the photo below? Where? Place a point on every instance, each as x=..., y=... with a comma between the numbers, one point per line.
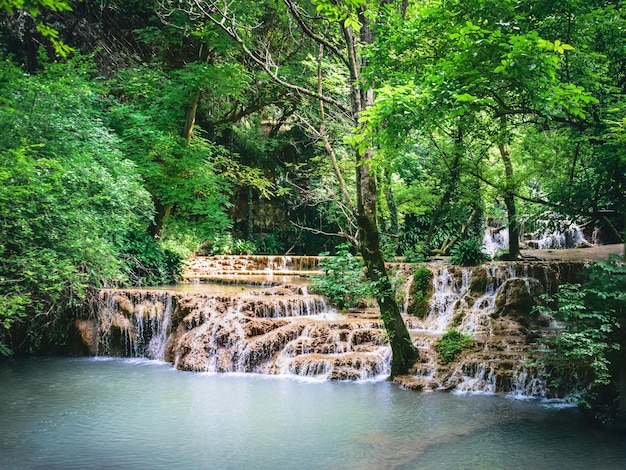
x=285, y=330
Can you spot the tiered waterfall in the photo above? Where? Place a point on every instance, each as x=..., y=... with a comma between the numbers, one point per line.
x=262, y=319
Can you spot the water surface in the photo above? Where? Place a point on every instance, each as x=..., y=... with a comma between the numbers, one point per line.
x=115, y=413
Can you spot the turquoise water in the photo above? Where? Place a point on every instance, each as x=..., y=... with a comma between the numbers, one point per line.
x=114, y=413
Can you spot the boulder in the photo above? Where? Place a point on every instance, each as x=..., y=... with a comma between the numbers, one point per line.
x=516, y=299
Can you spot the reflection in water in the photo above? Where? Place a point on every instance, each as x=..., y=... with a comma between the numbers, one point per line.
x=106, y=413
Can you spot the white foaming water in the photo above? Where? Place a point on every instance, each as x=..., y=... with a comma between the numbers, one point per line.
x=146, y=326
x=495, y=239
x=557, y=234
x=287, y=331
x=447, y=292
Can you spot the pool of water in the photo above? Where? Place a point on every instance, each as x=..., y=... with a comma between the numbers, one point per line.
x=60, y=413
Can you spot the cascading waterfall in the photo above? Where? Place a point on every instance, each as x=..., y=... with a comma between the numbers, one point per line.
x=282, y=330
x=142, y=319
x=492, y=304
x=286, y=330
x=556, y=233
x=448, y=291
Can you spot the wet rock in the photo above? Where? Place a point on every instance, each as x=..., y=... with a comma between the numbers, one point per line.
x=88, y=334
x=283, y=330
x=516, y=299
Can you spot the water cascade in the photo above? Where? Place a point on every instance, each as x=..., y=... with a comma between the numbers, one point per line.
x=268, y=323
x=554, y=233
x=492, y=304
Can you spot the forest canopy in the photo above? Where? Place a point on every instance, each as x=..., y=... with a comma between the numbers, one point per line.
x=135, y=133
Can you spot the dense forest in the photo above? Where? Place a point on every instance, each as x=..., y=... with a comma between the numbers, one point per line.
x=136, y=133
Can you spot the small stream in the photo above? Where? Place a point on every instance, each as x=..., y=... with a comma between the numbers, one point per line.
x=104, y=413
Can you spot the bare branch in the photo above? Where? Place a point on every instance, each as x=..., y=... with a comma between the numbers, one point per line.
x=197, y=10
x=347, y=236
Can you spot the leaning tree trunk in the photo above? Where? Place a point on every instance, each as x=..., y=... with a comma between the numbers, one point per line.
x=404, y=352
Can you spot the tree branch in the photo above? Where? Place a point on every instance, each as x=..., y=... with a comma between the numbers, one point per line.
x=201, y=9
x=310, y=33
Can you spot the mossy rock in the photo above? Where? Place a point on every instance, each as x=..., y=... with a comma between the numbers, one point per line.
x=480, y=279
x=516, y=300
x=420, y=293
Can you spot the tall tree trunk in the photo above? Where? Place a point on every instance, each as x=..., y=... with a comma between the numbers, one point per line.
x=392, y=205
x=404, y=352
x=509, y=202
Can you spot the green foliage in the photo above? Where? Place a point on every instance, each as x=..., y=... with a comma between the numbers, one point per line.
x=457, y=319
x=420, y=292
x=343, y=281
x=226, y=244
x=450, y=346
x=468, y=253
x=149, y=262
x=35, y=8
x=418, y=254
x=592, y=346
x=271, y=245
x=195, y=178
x=422, y=278
x=67, y=199
x=178, y=174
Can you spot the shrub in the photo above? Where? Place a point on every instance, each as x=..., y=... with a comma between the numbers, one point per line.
x=451, y=345
x=227, y=245
x=343, y=281
x=149, y=263
x=468, y=253
x=591, y=347
x=418, y=254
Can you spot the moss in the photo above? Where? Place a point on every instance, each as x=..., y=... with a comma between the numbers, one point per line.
x=457, y=319
x=450, y=346
x=420, y=292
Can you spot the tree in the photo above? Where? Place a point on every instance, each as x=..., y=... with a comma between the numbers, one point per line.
x=35, y=8
x=487, y=63
x=339, y=31
x=68, y=199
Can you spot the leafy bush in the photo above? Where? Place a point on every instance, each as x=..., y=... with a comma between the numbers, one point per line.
x=149, y=263
x=451, y=345
x=67, y=197
x=418, y=254
x=591, y=348
x=468, y=253
x=225, y=244
x=343, y=281
x=271, y=245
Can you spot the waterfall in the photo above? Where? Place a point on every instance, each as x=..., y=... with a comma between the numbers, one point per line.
x=285, y=330
x=553, y=232
x=449, y=290
x=134, y=323
x=275, y=330
x=567, y=237
x=495, y=238
x=492, y=304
